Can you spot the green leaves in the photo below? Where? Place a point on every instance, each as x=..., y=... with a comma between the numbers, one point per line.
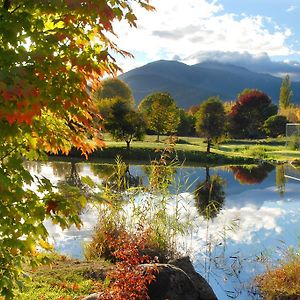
x=160, y=112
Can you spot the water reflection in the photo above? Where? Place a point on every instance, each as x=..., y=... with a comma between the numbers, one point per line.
x=210, y=195
x=259, y=215
x=280, y=179
x=116, y=177
x=252, y=174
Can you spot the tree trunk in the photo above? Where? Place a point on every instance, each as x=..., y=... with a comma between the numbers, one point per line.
x=157, y=139
x=208, y=145
x=207, y=177
x=128, y=145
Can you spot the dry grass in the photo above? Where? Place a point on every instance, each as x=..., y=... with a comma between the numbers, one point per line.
x=282, y=282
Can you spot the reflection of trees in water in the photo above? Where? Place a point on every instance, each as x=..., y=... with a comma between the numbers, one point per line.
x=33, y=166
x=63, y=170
x=117, y=176
x=210, y=196
x=73, y=178
x=280, y=180
x=251, y=174
x=71, y=186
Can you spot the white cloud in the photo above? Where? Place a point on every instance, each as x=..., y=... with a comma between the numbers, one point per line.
x=181, y=29
x=291, y=8
x=259, y=62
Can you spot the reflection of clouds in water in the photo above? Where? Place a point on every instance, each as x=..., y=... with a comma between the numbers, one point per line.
x=259, y=196
x=71, y=241
x=85, y=170
x=250, y=220
x=254, y=223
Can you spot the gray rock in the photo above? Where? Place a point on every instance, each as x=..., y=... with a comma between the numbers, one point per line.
x=95, y=296
x=178, y=280
x=204, y=289
x=172, y=283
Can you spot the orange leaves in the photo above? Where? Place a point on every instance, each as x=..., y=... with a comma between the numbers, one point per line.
x=129, y=280
x=19, y=102
x=69, y=46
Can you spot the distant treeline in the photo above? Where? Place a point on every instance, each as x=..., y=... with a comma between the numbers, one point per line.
x=251, y=115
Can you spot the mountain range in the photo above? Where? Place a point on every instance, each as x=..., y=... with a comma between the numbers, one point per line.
x=191, y=84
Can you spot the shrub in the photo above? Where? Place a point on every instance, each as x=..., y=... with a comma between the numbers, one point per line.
x=275, y=126
x=129, y=280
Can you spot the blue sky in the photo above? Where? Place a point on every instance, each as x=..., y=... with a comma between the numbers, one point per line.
x=191, y=30
x=282, y=12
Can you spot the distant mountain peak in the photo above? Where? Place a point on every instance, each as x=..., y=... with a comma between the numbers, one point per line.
x=190, y=85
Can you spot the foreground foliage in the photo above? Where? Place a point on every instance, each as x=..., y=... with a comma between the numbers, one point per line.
x=49, y=51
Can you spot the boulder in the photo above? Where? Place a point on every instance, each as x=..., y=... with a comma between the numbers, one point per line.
x=204, y=289
x=172, y=283
x=178, y=280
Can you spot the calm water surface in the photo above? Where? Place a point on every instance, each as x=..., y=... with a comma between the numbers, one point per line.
x=258, y=218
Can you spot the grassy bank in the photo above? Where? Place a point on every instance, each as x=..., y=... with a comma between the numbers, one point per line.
x=64, y=279
x=193, y=150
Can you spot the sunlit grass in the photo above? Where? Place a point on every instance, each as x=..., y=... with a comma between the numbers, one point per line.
x=268, y=149
x=64, y=279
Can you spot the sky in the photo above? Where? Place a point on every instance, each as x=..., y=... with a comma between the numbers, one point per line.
x=249, y=31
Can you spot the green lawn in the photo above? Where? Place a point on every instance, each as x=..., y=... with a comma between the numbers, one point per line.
x=64, y=279
x=268, y=149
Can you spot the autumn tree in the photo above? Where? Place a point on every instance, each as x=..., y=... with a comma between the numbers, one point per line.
x=49, y=51
x=286, y=93
x=249, y=113
x=210, y=120
x=160, y=112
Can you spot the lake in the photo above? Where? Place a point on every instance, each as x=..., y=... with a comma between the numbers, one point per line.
x=256, y=218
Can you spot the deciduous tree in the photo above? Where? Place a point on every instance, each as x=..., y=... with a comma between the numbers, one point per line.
x=249, y=113
x=186, y=126
x=275, y=126
x=160, y=112
x=210, y=120
x=114, y=88
x=121, y=120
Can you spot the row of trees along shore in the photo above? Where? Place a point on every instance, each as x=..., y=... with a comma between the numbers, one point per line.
x=251, y=116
